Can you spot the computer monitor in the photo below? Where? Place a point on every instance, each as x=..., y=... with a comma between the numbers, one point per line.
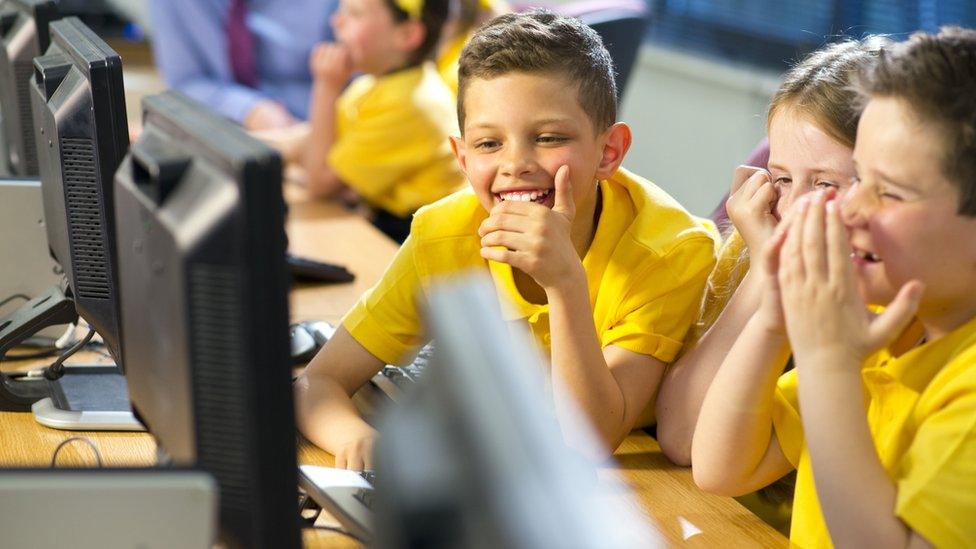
x=79, y=115
x=82, y=133
x=204, y=287
x=23, y=36
x=474, y=457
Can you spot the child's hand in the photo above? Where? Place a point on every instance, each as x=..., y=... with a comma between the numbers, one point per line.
x=751, y=206
x=826, y=319
x=331, y=64
x=535, y=239
x=771, y=303
x=356, y=453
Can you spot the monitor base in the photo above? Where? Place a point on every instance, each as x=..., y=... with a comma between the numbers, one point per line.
x=88, y=398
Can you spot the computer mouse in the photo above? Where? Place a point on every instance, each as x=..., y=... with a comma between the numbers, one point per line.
x=303, y=346
x=321, y=330
x=307, y=337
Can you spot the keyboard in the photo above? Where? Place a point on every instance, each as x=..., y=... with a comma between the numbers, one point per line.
x=305, y=269
x=393, y=380
x=366, y=497
x=346, y=495
x=368, y=476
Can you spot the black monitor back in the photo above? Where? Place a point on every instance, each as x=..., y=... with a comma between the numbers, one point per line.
x=204, y=304
x=23, y=36
x=80, y=119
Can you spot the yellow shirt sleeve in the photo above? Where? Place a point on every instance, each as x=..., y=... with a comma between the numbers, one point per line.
x=786, y=417
x=663, y=301
x=386, y=320
x=937, y=487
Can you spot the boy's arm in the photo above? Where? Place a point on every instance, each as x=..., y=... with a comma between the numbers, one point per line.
x=331, y=68
x=611, y=386
x=323, y=400
x=833, y=335
x=688, y=379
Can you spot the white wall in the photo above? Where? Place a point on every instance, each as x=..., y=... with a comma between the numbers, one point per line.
x=694, y=119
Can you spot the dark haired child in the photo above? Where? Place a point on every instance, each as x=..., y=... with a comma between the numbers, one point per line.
x=385, y=137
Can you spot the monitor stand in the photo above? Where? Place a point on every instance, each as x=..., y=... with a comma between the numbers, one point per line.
x=87, y=398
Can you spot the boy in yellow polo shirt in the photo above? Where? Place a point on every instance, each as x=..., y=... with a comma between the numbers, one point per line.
x=386, y=136
x=605, y=268
x=879, y=419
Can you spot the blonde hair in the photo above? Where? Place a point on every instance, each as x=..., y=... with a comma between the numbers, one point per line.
x=821, y=88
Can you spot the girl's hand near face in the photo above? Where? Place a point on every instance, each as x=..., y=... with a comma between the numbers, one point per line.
x=751, y=205
x=534, y=238
x=827, y=321
x=330, y=64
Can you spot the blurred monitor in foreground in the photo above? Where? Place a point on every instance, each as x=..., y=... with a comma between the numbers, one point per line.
x=475, y=458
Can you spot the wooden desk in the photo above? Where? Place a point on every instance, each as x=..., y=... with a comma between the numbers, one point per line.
x=667, y=494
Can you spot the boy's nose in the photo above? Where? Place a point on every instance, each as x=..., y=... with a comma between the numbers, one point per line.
x=517, y=162
x=857, y=203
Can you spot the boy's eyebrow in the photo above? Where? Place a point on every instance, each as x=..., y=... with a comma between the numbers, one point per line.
x=481, y=125
x=541, y=122
x=887, y=178
x=555, y=120
x=894, y=182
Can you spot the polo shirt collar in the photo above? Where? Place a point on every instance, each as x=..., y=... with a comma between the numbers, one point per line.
x=916, y=368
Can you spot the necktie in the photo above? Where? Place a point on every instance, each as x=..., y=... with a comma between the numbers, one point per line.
x=241, y=45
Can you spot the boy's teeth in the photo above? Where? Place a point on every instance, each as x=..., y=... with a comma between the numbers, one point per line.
x=868, y=256
x=523, y=196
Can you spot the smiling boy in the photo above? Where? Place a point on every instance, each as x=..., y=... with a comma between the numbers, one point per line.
x=604, y=268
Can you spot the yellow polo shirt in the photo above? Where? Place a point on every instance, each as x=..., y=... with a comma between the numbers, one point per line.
x=921, y=410
x=392, y=142
x=449, y=58
x=645, y=270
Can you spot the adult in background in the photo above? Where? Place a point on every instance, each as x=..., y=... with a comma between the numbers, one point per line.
x=246, y=59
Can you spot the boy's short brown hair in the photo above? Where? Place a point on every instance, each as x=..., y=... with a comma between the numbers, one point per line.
x=539, y=41
x=936, y=76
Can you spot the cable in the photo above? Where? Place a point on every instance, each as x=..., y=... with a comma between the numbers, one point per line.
x=65, y=442
x=28, y=356
x=56, y=369
x=13, y=297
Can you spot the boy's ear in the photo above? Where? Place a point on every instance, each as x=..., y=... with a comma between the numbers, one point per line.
x=616, y=143
x=457, y=145
x=411, y=35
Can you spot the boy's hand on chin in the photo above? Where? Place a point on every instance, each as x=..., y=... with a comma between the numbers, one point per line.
x=331, y=64
x=534, y=238
x=827, y=320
